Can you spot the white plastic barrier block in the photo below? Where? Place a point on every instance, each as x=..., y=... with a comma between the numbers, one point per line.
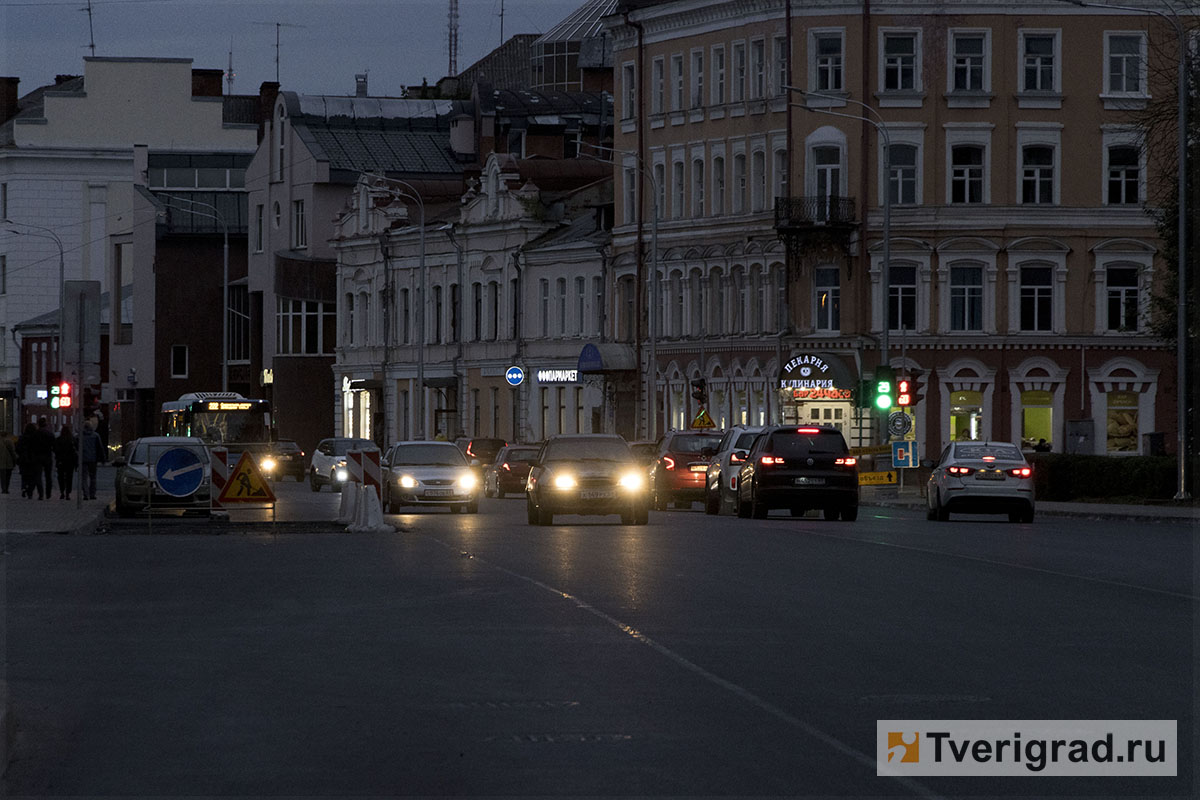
x=349, y=504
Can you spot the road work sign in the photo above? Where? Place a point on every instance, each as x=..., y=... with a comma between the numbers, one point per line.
x=246, y=484
x=877, y=478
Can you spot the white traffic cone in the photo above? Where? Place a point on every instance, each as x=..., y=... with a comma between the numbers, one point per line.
x=349, y=505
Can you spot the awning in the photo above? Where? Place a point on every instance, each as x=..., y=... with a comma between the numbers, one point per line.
x=442, y=382
x=607, y=357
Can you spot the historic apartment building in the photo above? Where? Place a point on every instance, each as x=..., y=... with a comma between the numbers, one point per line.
x=1022, y=256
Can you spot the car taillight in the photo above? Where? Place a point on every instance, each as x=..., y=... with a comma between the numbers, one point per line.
x=962, y=471
x=771, y=461
x=1021, y=472
x=506, y=466
x=734, y=458
x=848, y=461
x=668, y=462
x=808, y=430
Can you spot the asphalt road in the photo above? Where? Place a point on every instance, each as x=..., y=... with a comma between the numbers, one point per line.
x=476, y=655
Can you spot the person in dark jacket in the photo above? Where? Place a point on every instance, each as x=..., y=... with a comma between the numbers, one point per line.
x=93, y=452
x=66, y=457
x=43, y=451
x=31, y=474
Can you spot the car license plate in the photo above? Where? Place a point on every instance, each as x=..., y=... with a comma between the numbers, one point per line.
x=595, y=494
x=992, y=475
x=699, y=467
x=439, y=492
x=806, y=481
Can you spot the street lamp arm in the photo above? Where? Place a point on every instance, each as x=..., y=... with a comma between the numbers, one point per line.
x=48, y=233
x=822, y=95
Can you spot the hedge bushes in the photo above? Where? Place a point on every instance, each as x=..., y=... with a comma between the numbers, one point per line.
x=1062, y=477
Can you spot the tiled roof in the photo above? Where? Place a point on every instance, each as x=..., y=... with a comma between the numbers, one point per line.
x=582, y=23
x=385, y=151
x=506, y=67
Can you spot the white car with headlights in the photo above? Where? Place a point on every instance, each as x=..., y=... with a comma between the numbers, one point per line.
x=328, y=464
x=981, y=478
x=429, y=474
x=587, y=474
x=137, y=483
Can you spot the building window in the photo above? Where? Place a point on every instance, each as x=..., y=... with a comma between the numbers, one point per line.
x=1124, y=63
x=758, y=180
x=259, y=221
x=718, y=186
x=455, y=308
x=660, y=189
x=1038, y=62
x=629, y=184
x=1122, y=286
x=1037, y=175
x=1037, y=293
x=1124, y=176
x=598, y=310
x=625, y=287
x=239, y=323
x=718, y=69
x=677, y=82
x=562, y=305
x=179, y=361
x=1121, y=423
x=966, y=298
x=697, y=187
x=781, y=65
x=738, y=89
x=277, y=213
x=657, y=86
x=966, y=174
x=304, y=327
x=827, y=300
x=580, y=303
x=544, y=289
x=899, y=62
x=758, y=69
x=902, y=179
x=967, y=62
x=781, y=174
x=3, y=278
x=437, y=315
x=739, y=183
x=3, y=201
x=697, y=78
x=902, y=297
x=827, y=61
x=628, y=92
x=493, y=311
x=404, y=321
x=299, y=229
x=677, y=189
x=477, y=312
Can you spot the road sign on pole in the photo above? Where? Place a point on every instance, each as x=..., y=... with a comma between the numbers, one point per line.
x=179, y=472
x=515, y=375
x=904, y=455
x=246, y=484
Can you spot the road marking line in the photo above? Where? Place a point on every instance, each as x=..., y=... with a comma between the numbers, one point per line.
x=862, y=758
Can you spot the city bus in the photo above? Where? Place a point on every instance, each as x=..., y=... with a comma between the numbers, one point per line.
x=221, y=419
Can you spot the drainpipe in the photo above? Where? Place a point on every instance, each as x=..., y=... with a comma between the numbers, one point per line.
x=639, y=306
x=519, y=394
x=387, y=333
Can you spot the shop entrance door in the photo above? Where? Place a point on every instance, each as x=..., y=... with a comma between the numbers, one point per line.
x=816, y=412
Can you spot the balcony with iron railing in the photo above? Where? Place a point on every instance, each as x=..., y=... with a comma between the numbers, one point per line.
x=816, y=212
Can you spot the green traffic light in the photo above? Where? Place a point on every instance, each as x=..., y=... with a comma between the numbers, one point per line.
x=883, y=402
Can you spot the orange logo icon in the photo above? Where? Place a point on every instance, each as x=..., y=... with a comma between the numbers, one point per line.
x=904, y=747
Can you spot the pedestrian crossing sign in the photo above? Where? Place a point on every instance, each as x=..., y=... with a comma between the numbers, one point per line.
x=246, y=484
x=703, y=420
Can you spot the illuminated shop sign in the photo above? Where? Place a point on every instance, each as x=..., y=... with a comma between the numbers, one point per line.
x=807, y=372
x=558, y=376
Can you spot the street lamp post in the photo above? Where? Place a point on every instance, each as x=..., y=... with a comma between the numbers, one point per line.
x=48, y=233
x=1181, y=344
x=886, y=184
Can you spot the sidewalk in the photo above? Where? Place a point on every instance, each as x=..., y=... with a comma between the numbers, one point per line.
x=910, y=497
x=23, y=515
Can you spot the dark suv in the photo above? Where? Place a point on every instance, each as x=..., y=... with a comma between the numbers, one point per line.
x=799, y=468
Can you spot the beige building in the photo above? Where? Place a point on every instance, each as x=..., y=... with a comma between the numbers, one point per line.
x=1022, y=256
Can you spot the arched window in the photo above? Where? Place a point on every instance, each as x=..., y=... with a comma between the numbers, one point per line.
x=676, y=292
x=758, y=180
x=696, y=303
x=737, y=312
x=716, y=282
x=625, y=313
x=348, y=331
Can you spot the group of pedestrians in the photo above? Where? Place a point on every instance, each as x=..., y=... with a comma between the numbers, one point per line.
x=38, y=454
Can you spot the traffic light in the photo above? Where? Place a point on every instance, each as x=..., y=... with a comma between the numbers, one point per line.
x=904, y=395
x=885, y=388
x=700, y=392
x=58, y=391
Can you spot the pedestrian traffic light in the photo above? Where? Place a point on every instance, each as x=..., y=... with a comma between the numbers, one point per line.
x=58, y=391
x=885, y=388
x=904, y=396
x=700, y=391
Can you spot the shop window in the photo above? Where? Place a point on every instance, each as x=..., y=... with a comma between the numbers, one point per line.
x=1121, y=432
x=1037, y=420
x=966, y=416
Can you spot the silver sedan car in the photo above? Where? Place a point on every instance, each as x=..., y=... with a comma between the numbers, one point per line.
x=981, y=478
x=429, y=474
x=721, y=481
x=183, y=479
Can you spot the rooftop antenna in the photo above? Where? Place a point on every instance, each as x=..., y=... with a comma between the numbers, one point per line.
x=279, y=25
x=91, y=30
x=229, y=73
x=501, y=21
x=453, y=38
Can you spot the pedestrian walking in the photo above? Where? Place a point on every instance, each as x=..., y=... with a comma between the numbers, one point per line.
x=27, y=461
x=66, y=458
x=92, y=448
x=8, y=460
x=43, y=450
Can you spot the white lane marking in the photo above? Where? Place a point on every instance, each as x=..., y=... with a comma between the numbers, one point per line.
x=862, y=758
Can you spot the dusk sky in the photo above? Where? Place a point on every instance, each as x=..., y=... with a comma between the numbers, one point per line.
x=323, y=43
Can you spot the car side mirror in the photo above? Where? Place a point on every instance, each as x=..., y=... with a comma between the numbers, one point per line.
x=742, y=454
x=928, y=463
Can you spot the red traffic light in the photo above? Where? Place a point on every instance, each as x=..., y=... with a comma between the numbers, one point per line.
x=904, y=392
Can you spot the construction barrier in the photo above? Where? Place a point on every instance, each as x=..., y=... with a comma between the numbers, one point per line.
x=369, y=513
x=354, y=466
x=220, y=475
x=371, y=472
x=349, y=504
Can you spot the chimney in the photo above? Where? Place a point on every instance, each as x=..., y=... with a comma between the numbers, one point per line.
x=207, y=82
x=9, y=98
x=360, y=85
x=268, y=91
x=59, y=80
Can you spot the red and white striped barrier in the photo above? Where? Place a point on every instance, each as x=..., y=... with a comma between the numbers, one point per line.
x=371, y=472
x=354, y=466
x=220, y=475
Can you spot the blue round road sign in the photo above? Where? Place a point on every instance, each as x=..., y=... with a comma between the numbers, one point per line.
x=514, y=376
x=179, y=471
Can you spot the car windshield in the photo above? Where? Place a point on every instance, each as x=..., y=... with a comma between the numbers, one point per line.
x=441, y=455
x=144, y=450
x=693, y=442
x=979, y=451
x=789, y=443
x=285, y=446
x=587, y=450
x=523, y=454
x=343, y=446
x=745, y=440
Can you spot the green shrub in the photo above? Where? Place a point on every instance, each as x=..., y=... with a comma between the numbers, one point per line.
x=1063, y=477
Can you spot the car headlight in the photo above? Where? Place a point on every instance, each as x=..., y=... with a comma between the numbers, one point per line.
x=342, y=475
x=267, y=464
x=468, y=481
x=408, y=482
x=133, y=479
x=565, y=482
x=632, y=481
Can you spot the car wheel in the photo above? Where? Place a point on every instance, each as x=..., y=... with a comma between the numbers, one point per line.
x=660, y=502
x=312, y=482
x=712, y=502
x=641, y=516
x=499, y=493
x=943, y=515
x=931, y=513
x=743, y=508
x=531, y=515
x=472, y=508
x=1027, y=517
x=798, y=512
x=124, y=510
x=829, y=513
x=850, y=513
x=758, y=510
x=626, y=517
x=545, y=517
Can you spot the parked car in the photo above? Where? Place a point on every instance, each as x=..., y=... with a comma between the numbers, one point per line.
x=328, y=466
x=981, y=478
x=645, y=452
x=679, y=472
x=428, y=474
x=138, y=487
x=799, y=468
x=283, y=459
x=508, y=471
x=483, y=449
x=722, y=476
x=586, y=474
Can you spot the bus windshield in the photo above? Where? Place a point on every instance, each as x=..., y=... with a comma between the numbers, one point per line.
x=230, y=427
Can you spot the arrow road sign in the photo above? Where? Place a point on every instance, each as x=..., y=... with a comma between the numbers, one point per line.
x=514, y=376
x=179, y=471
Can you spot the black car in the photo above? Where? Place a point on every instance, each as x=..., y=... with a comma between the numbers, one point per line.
x=286, y=459
x=798, y=468
x=586, y=474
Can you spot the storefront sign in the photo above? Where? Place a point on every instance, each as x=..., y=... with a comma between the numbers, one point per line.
x=821, y=394
x=558, y=376
x=807, y=372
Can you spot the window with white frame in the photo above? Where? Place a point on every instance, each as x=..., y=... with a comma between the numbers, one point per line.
x=580, y=305
x=966, y=297
x=718, y=186
x=737, y=317
x=676, y=304
x=718, y=75
x=758, y=69
x=967, y=174
x=739, y=183
x=657, y=85
x=299, y=228
x=1124, y=55
x=477, y=311
x=738, y=80
x=493, y=310
x=781, y=64
x=628, y=92
x=697, y=78
x=597, y=305
x=561, y=285
x=677, y=189
x=1036, y=298
x=259, y=222
x=1037, y=175
x=780, y=188
x=660, y=186
x=902, y=297
x=437, y=314
x=405, y=323
x=179, y=361
x=544, y=289
x=900, y=62
x=677, y=82
x=1123, y=298
x=1039, y=61
x=629, y=203
x=1123, y=175
x=968, y=61
x=827, y=300
x=825, y=61
x=304, y=327
x=716, y=297
x=697, y=187
x=758, y=180
x=902, y=176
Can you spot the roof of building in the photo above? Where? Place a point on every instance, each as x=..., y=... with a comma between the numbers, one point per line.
x=545, y=107
x=582, y=23
x=506, y=67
